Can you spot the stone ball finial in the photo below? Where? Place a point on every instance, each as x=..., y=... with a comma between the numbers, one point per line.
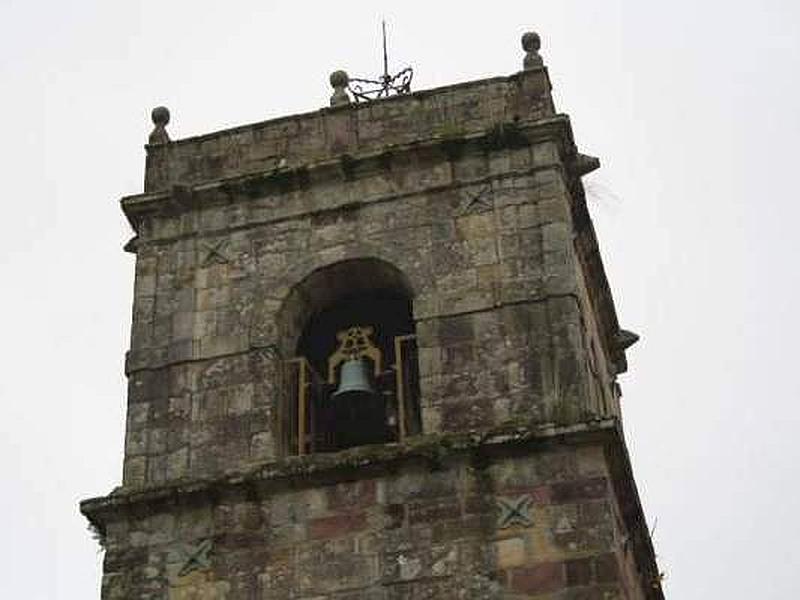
x=531, y=42
x=339, y=81
x=160, y=116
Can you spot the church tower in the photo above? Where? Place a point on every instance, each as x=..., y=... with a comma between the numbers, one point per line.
x=374, y=355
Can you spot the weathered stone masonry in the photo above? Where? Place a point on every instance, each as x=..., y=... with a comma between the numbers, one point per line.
x=469, y=197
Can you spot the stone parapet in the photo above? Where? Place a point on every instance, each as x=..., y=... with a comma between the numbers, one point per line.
x=454, y=110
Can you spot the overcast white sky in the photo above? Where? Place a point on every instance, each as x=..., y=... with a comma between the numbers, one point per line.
x=692, y=108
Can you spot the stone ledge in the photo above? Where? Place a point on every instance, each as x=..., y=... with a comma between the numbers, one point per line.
x=317, y=469
x=282, y=180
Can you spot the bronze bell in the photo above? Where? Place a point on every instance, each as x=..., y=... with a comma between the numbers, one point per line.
x=354, y=379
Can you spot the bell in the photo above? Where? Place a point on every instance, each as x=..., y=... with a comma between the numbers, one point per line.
x=358, y=411
x=354, y=379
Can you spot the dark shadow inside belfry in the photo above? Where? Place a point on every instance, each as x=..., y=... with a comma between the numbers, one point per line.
x=351, y=348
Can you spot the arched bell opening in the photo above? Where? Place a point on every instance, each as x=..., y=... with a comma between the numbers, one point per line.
x=354, y=378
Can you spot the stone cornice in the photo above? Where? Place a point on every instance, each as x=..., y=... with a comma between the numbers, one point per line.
x=311, y=470
x=343, y=167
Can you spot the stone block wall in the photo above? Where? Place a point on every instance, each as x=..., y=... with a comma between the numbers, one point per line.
x=483, y=236
x=543, y=524
x=468, y=199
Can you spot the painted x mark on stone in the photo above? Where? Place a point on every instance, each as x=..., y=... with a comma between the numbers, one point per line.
x=196, y=558
x=215, y=253
x=480, y=202
x=514, y=511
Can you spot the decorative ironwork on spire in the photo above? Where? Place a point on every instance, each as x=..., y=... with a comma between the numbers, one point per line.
x=364, y=90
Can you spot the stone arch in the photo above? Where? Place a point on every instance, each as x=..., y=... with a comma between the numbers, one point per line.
x=271, y=300
x=325, y=285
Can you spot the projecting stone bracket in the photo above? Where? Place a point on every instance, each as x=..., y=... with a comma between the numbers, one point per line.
x=131, y=245
x=583, y=164
x=625, y=339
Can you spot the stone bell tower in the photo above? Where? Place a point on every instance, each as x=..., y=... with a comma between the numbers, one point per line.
x=374, y=355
